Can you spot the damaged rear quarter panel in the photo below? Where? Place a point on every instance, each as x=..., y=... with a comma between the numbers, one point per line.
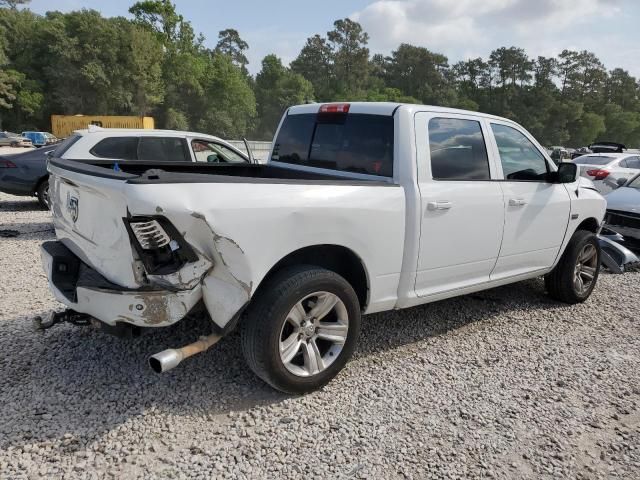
x=245, y=229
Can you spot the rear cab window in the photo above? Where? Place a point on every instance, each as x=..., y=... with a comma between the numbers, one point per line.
x=345, y=142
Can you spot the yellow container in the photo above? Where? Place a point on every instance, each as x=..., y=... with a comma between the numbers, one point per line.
x=64, y=125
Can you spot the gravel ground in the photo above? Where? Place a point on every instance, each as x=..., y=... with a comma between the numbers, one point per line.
x=502, y=384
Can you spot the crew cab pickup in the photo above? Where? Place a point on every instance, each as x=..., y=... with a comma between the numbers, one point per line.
x=362, y=208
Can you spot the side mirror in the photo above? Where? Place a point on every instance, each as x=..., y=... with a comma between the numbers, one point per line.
x=567, y=172
x=621, y=181
x=213, y=158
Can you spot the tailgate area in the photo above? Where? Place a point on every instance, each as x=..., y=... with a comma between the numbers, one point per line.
x=88, y=214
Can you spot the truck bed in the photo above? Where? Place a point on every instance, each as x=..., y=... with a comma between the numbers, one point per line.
x=146, y=172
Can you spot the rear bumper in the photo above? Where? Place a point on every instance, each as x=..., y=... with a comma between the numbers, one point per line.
x=84, y=290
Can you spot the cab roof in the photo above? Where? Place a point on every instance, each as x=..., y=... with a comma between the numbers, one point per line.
x=388, y=108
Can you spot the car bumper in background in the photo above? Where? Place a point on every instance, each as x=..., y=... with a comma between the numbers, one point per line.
x=84, y=290
x=626, y=224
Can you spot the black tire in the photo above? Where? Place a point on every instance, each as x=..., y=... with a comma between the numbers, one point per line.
x=262, y=327
x=42, y=192
x=560, y=281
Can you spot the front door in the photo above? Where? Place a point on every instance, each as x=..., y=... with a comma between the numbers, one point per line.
x=536, y=211
x=462, y=212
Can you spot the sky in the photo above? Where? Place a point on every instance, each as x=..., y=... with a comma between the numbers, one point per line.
x=460, y=29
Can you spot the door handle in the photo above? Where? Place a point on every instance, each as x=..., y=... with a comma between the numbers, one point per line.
x=517, y=202
x=439, y=205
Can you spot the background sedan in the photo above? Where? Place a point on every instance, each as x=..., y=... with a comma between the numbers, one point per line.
x=608, y=170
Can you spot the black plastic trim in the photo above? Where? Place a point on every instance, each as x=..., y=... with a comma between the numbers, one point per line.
x=150, y=258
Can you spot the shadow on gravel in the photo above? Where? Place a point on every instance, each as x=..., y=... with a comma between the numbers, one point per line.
x=30, y=231
x=20, y=205
x=386, y=331
x=79, y=381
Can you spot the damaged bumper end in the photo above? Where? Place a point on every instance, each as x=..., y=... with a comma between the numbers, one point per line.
x=84, y=290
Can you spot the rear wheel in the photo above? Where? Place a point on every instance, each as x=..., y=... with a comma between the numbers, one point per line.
x=575, y=276
x=301, y=329
x=42, y=192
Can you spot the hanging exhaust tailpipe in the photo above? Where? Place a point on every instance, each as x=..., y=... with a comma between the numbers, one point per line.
x=171, y=358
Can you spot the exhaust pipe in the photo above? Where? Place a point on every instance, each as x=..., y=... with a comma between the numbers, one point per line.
x=171, y=358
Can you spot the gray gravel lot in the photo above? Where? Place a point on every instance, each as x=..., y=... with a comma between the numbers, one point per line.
x=502, y=384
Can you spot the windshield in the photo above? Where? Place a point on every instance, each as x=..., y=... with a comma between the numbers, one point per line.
x=357, y=143
x=593, y=160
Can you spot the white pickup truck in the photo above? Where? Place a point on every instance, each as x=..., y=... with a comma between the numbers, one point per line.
x=362, y=208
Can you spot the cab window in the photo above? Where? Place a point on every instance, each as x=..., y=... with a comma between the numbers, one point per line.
x=521, y=160
x=121, y=148
x=458, y=150
x=211, y=152
x=163, y=149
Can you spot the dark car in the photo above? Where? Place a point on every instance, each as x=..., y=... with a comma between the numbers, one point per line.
x=26, y=174
x=607, y=147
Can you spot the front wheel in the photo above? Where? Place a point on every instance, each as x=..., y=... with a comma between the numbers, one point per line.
x=301, y=329
x=576, y=274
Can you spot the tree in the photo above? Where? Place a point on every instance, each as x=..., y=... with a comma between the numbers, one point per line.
x=545, y=70
x=418, y=73
x=315, y=63
x=586, y=129
x=13, y=4
x=511, y=65
x=277, y=88
x=622, y=89
x=625, y=125
x=231, y=44
x=228, y=105
x=348, y=43
x=160, y=16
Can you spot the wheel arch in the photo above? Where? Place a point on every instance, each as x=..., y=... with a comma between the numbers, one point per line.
x=42, y=179
x=590, y=224
x=337, y=258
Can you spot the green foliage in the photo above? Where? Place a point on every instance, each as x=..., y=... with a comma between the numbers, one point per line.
x=155, y=64
x=232, y=45
x=12, y=4
x=277, y=87
x=315, y=63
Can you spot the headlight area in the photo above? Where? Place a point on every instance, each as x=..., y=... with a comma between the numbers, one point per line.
x=159, y=245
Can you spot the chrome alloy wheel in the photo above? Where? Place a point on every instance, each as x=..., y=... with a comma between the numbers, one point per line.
x=585, y=269
x=313, y=334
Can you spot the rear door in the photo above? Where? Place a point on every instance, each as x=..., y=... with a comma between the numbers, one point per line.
x=462, y=212
x=536, y=211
